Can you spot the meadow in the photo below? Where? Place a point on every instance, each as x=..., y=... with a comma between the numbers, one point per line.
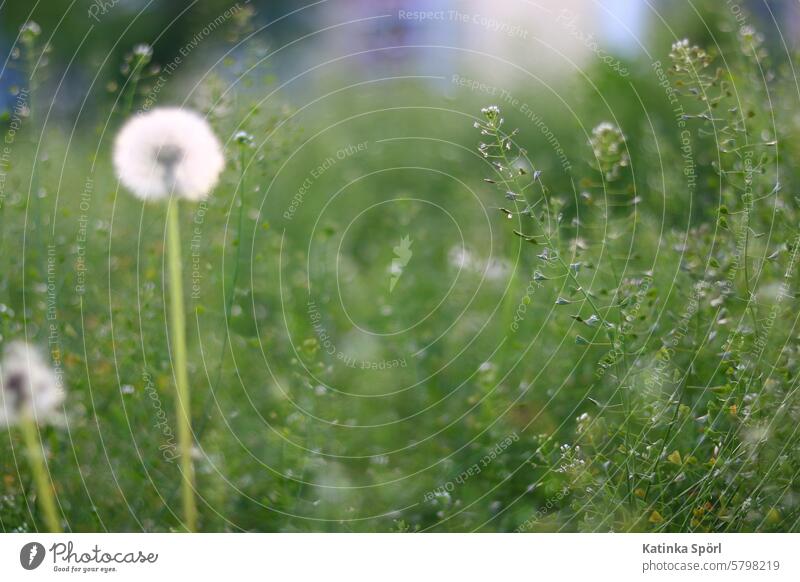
x=412, y=303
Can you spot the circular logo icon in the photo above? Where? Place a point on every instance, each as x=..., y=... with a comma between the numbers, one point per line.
x=31, y=555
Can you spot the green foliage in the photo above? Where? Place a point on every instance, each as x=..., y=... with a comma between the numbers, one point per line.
x=689, y=420
x=608, y=344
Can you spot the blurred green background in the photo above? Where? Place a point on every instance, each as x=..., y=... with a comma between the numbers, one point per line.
x=324, y=398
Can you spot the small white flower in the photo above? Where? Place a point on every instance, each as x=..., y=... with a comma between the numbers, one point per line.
x=143, y=50
x=31, y=28
x=28, y=386
x=168, y=150
x=243, y=138
x=682, y=44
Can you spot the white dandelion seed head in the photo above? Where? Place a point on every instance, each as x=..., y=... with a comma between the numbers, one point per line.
x=168, y=150
x=28, y=386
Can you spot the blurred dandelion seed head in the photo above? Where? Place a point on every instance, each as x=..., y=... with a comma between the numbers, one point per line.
x=165, y=151
x=28, y=386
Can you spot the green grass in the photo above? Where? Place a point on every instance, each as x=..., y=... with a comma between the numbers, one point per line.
x=463, y=399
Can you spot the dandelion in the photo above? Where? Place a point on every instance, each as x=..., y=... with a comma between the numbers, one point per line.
x=168, y=151
x=30, y=395
x=172, y=153
x=29, y=387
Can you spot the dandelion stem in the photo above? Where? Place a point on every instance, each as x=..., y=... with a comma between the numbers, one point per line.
x=41, y=479
x=178, y=320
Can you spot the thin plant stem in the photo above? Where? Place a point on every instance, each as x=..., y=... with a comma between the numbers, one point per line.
x=34, y=203
x=178, y=336
x=134, y=78
x=666, y=441
x=234, y=282
x=240, y=234
x=749, y=295
x=41, y=480
x=507, y=165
